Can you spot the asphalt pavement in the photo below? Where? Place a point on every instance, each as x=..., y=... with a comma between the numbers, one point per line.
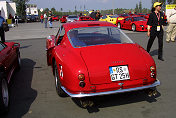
x=33, y=92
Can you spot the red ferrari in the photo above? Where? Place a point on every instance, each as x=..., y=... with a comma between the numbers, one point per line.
x=63, y=19
x=55, y=18
x=9, y=61
x=86, y=18
x=133, y=23
x=97, y=58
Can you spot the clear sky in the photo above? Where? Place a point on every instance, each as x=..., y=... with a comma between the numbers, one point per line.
x=89, y=4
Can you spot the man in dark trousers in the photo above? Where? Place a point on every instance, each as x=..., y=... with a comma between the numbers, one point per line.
x=92, y=15
x=155, y=29
x=2, y=34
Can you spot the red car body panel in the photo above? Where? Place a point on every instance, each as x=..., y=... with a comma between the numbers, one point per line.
x=94, y=63
x=63, y=19
x=128, y=24
x=8, y=58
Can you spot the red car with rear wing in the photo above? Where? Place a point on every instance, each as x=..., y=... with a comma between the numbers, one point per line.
x=133, y=23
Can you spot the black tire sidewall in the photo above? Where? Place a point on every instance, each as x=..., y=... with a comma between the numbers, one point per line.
x=59, y=90
x=3, y=108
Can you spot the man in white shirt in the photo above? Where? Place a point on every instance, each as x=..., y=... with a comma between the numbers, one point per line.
x=45, y=19
x=171, y=29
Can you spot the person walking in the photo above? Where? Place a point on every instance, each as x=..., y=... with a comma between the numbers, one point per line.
x=2, y=33
x=41, y=18
x=45, y=19
x=171, y=29
x=155, y=29
x=16, y=20
x=50, y=21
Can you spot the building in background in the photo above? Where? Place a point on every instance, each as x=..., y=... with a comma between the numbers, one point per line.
x=32, y=9
x=7, y=8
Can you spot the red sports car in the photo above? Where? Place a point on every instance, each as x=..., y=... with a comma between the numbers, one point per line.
x=86, y=18
x=63, y=19
x=9, y=61
x=133, y=23
x=97, y=58
x=55, y=18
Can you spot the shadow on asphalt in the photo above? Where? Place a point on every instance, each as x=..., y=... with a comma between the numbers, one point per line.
x=21, y=93
x=25, y=46
x=118, y=100
x=154, y=52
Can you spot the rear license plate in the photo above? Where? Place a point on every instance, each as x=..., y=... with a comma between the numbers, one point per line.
x=119, y=73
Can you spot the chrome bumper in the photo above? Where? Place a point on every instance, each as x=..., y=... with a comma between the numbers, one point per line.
x=80, y=95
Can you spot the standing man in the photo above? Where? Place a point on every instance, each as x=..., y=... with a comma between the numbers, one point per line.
x=155, y=29
x=171, y=29
x=98, y=15
x=92, y=15
x=45, y=19
x=41, y=18
x=2, y=33
x=16, y=20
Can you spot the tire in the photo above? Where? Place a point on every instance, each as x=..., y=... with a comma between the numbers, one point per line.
x=4, y=95
x=119, y=25
x=59, y=90
x=133, y=27
x=18, y=61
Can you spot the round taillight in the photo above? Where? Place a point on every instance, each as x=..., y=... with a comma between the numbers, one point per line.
x=81, y=77
x=152, y=69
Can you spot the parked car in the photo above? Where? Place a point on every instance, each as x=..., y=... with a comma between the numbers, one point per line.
x=109, y=18
x=9, y=62
x=55, y=18
x=96, y=58
x=72, y=18
x=63, y=19
x=86, y=18
x=133, y=23
x=32, y=18
x=21, y=19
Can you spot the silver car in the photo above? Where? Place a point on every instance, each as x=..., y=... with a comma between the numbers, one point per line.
x=72, y=18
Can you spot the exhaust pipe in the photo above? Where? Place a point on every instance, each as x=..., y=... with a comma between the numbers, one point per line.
x=86, y=103
x=151, y=92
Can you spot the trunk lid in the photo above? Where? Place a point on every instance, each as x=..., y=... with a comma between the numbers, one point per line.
x=98, y=59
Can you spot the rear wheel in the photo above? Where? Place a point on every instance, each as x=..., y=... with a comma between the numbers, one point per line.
x=4, y=94
x=59, y=90
x=133, y=28
x=119, y=25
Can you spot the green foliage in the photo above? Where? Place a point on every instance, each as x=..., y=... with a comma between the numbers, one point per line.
x=21, y=7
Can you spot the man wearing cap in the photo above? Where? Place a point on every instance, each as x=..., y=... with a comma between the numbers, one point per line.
x=2, y=21
x=171, y=29
x=156, y=29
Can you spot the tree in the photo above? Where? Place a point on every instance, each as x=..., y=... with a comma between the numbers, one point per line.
x=140, y=6
x=61, y=9
x=21, y=7
x=137, y=8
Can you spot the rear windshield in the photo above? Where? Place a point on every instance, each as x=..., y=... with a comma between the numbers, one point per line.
x=91, y=36
x=113, y=16
x=72, y=16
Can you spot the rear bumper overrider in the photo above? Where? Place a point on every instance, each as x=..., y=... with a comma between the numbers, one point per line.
x=80, y=95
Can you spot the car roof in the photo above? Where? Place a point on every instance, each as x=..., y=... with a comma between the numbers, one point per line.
x=79, y=24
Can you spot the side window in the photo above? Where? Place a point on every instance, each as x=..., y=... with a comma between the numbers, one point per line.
x=60, y=35
x=126, y=19
x=2, y=46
